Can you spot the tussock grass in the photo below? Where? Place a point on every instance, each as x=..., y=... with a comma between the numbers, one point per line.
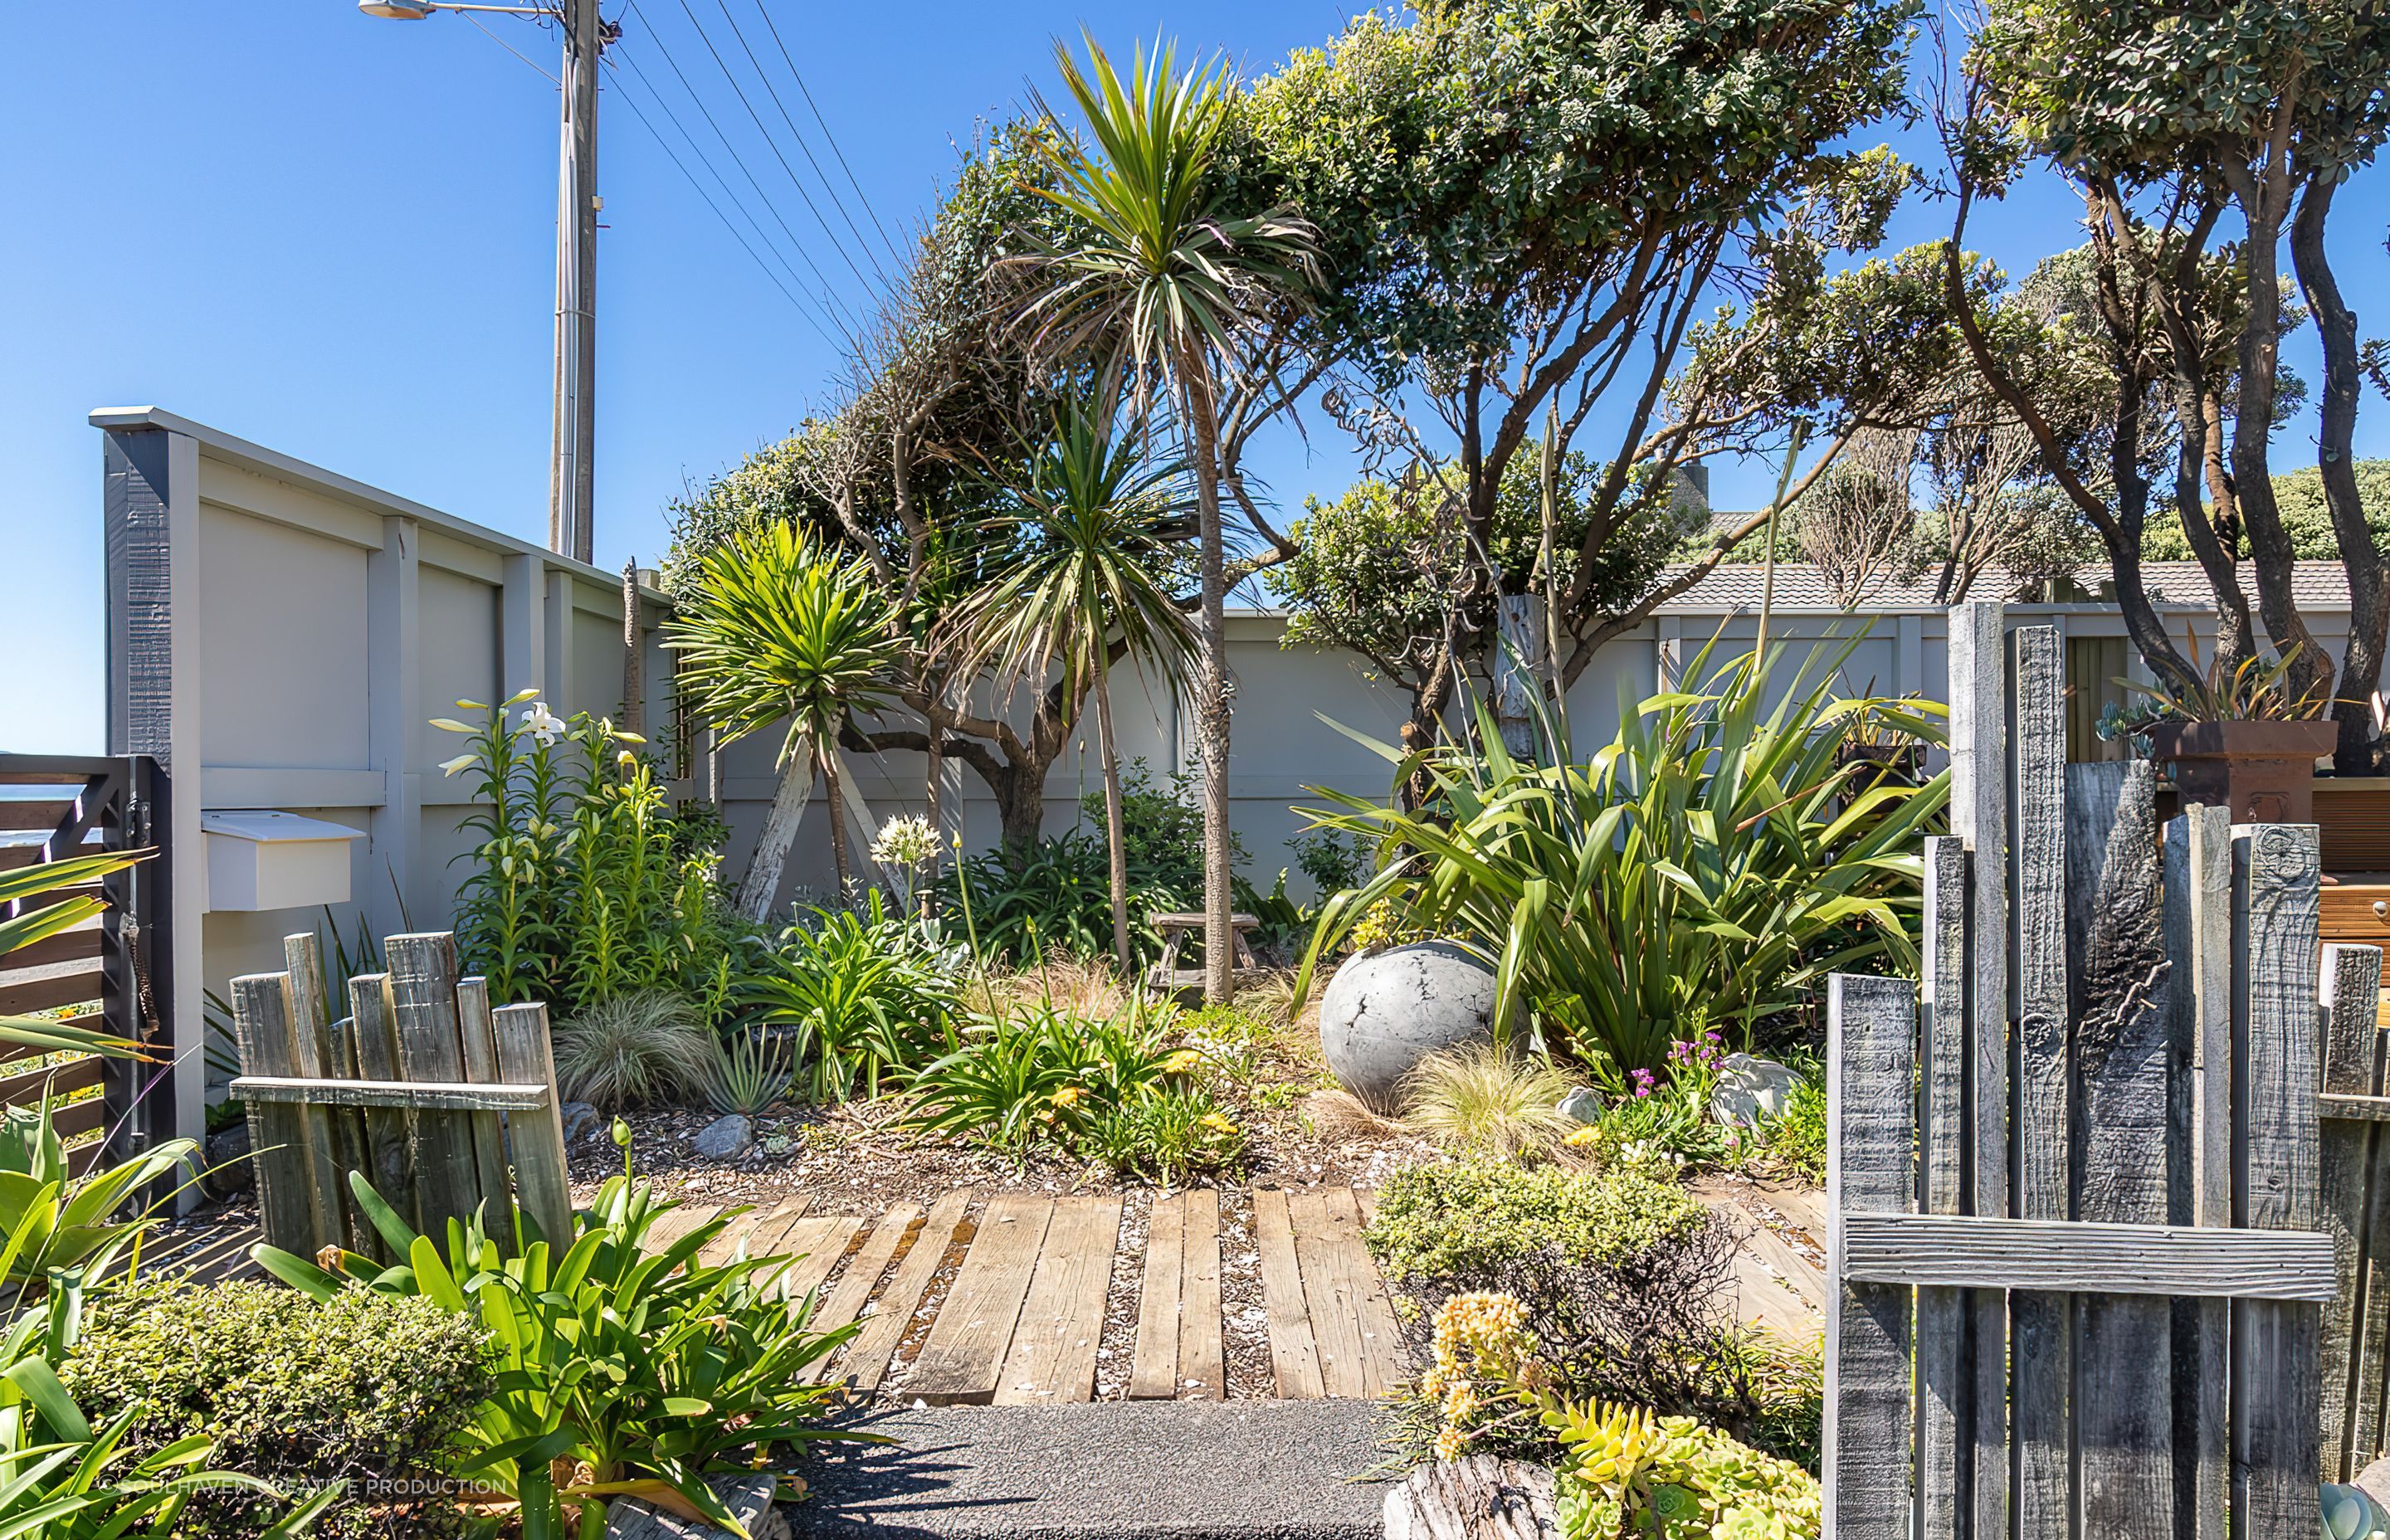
x=1482, y=1101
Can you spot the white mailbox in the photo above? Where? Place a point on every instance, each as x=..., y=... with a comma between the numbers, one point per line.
x=264, y=860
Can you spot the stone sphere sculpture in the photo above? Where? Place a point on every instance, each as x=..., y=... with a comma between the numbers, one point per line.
x=1385, y=1012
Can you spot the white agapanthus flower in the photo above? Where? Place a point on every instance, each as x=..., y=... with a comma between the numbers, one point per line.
x=541, y=722
x=905, y=841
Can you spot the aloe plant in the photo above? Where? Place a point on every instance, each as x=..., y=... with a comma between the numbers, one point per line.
x=1716, y=858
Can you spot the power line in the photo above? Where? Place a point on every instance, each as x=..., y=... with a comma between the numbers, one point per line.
x=797, y=134
x=730, y=194
x=513, y=49
x=846, y=321
x=632, y=102
x=774, y=145
x=861, y=197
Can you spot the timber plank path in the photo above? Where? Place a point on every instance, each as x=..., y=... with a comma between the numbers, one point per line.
x=1027, y=1281
x=1003, y=1297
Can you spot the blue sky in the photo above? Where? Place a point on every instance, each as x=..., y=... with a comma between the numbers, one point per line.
x=334, y=235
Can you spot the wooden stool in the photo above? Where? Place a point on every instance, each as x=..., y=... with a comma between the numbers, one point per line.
x=1166, y=974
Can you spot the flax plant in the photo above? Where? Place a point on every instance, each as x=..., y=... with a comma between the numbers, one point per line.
x=1712, y=862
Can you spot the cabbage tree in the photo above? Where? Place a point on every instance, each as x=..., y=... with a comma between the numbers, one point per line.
x=780, y=630
x=1101, y=525
x=1164, y=276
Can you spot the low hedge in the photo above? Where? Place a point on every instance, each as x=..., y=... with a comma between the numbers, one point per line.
x=368, y=1389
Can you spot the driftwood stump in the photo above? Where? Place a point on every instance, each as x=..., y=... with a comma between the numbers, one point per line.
x=750, y=1497
x=1477, y=1498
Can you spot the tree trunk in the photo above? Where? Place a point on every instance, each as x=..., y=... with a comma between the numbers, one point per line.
x=2264, y=202
x=1115, y=821
x=837, y=822
x=770, y=862
x=2369, y=615
x=1212, y=682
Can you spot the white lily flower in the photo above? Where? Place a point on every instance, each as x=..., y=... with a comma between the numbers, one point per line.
x=542, y=724
x=450, y=767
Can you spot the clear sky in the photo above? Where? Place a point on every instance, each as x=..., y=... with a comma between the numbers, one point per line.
x=335, y=235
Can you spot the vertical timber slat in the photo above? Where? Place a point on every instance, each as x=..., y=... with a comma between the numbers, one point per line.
x=2118, y=979
x=2198, y=877
x=1945, y=1426
x=390, y=1135
x=496, y=1201
x=286, y=1189
x=1870, y=1051
x=2275, y=1383
x=2040, y=1355
x=423, y=1021
x=321, y=1056
x=1979, y=793
x=2352, y=993
x=537, y=1138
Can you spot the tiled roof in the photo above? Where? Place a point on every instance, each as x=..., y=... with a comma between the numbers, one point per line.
x=2318, y=587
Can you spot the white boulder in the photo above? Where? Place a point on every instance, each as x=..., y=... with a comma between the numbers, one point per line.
x=1385, y=1012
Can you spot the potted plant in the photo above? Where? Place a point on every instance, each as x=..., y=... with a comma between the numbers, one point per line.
x=2242, y=738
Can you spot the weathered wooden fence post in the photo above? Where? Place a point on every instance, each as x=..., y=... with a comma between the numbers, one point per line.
x=447, y=1106
x=2094, y=1146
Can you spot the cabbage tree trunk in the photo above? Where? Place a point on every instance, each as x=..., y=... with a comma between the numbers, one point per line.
x=778, y=836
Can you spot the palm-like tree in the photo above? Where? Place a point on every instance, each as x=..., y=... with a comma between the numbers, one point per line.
x=1160, y=279
x=782, y=630
x=1100, y=521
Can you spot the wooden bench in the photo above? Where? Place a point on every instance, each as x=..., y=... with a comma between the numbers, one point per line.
x=1175, y=928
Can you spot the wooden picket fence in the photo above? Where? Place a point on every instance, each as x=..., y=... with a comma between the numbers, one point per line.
x=2083, y=1204
x=448, y=1106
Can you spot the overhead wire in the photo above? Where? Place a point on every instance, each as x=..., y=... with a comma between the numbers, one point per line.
x=730, y=194
x=773, y=144
x=861, y=197
x=799, y=135
x=632, y=102
x=845, y=321
x=513, y=49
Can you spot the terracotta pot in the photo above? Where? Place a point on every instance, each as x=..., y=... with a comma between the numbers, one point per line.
x=2263, y=771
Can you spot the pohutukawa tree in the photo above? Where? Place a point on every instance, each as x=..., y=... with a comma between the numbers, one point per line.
x=1163, y=274
x=2176, y=127
x=1531, y=214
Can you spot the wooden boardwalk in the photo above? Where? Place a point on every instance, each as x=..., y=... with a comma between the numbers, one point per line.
x=1005, y=1300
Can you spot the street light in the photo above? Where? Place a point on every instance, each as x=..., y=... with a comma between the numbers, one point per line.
x=571, y=487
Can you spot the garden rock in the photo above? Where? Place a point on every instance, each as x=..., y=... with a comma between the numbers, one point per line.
x=750, y=1497
x=1581, y=1105
x=726, y=1139
x=1384, y=1013
x=230, y=1169
x=580, y=1121
x=1750, y=1087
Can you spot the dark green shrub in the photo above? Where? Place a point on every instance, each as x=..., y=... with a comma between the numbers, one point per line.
x=367, y=1389
x=1025, y=902
x=852, y=999
x=1623, y=1278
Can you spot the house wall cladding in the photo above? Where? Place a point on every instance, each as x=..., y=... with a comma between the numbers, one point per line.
x=314, y=624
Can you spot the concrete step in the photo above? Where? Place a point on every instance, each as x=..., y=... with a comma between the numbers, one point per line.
x=1116, y=1470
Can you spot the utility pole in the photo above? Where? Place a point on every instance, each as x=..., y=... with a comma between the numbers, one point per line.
x=571, y=484
x=572, y=501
